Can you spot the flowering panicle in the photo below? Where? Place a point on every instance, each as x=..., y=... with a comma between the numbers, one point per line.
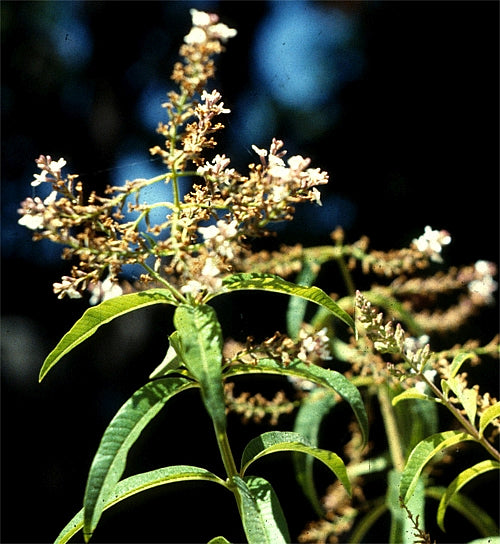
x=204, y=233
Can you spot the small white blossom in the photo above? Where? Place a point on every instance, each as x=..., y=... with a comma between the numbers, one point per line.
x=200, y=18
x=56, y=166
x=431, y=242
x=210, y=269
x=104, y=291
x=422, y=386
x=66, y=288
x=39, y=178
x=196, y=35
x=192, y=287
x=222, y=32
x=31, y=221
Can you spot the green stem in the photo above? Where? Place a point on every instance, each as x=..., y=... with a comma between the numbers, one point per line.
x=226, y=453
x=346, y=275
x=467, y=425
x=391, y=428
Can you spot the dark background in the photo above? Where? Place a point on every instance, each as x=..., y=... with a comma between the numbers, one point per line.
x=405, y=122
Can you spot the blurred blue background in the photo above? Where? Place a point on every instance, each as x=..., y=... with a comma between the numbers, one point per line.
x=398, y=101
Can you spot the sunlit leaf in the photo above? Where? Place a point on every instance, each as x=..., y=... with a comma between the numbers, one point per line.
x=261, y=513
x=462, y=479
x=110, y=460
x=422, y=453
x=458, y=361
x=402, y=530
x=273, y=283
x=200, y=339
x=468, y=509
x=491, y=413
x=277, y=441
x=219, y=540
x=141, y=482
x=319, y=375
x=98, y=315
x=410, y=394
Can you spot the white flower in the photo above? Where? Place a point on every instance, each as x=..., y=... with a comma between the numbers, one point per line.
x=196, y=35
x=192, y=287
x=316, y=196
x=66, y=287
x=422, y=386
x=55, y=166
x=51, y=198
x=104, y=291
x=31, y=221
x=210, y=269
x=200, y=18
x=39, y=178
x=222, y=32
x=209, y=232
x=260, y=152
x=431, y=242
x=483, y=288
x=298, y=163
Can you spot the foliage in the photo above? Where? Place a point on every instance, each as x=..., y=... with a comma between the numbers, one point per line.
x=203, y=250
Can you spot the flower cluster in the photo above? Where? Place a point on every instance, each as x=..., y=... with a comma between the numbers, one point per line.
x=389, y=339
x=431, y=242
x=205, y=233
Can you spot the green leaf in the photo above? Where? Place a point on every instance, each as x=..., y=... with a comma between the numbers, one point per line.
x=319, y=375
x=469, y=510
x=422, y=453
x=409, y=394
x=261, y=513
x=141, y=482
x=98, y=315
x=273, y=283
x=307, y=423
x=402, y=530
x=201, y=342
x=171, y=361
x=458, y=361
x=491, y=413
x=110, y=460
x=467, y=397
x=297, y=305
x=277, y=441
x=462, y=479
x=219, y=540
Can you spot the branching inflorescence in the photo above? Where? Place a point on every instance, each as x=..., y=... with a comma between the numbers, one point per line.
x=196, y=252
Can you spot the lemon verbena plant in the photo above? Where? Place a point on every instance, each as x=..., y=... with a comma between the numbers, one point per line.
x=202, y=249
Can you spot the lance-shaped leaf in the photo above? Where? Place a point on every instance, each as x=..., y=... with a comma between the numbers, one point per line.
x=462, y=479
x=319, y=375
x=277, y=441
x=422, y=453
x=468, y=509
x=99, y=315
x=491, y=413
x=275, y=284
x=261, y=513
x=110, y=460
x=200, y=341
x=402, y=528
x=307, y=423
x=141, y=482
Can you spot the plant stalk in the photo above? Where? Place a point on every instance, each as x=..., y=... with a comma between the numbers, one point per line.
x=391, y=428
